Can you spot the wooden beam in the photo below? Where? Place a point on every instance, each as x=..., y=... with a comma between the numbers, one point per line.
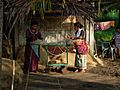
x=1, y=34
x=15, y=41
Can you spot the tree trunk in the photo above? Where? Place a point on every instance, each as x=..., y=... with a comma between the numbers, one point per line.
x=1, y=30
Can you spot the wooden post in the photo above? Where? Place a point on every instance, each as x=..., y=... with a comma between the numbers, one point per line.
x=91, y=33
x=1, y=33
x=99, y=8
x=15, y=41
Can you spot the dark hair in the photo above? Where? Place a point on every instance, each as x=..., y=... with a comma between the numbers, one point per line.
x=78, y=24
x=34, y=22
x=118, y=27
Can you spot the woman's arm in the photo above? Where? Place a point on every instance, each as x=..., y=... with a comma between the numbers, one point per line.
x=28, y=36
x=40, y=36
x=76, y=37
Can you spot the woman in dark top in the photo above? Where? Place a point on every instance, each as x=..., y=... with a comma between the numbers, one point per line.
x=31, y=56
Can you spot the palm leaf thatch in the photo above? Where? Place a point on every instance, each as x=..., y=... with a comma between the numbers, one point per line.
x=15, y=10
x=85, y=9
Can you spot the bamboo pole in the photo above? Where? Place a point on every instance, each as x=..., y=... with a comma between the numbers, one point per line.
x=99, y=8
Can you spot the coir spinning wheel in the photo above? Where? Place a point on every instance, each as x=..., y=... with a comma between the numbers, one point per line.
x=56, y=50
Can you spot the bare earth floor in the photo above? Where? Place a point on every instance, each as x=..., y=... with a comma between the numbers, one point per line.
x=71, y=81
x=99, y=78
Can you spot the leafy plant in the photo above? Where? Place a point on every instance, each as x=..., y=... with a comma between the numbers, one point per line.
x=104, y=35
x=113, y=14
x=41, y=6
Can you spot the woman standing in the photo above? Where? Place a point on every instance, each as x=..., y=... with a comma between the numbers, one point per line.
x=80, y=46
x=32, y=55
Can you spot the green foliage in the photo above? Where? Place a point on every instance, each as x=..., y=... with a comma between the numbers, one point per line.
x=108, y=15
x=41, y=6
x=104, y=35
x=112, y=14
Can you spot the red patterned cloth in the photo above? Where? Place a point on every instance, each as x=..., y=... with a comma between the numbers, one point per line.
x=82, y=48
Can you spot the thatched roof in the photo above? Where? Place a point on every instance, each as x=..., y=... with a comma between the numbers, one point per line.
x=75, y=7
x=17, y=9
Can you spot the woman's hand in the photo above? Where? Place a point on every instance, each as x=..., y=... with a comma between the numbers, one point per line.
x=72, y=37
x=67, y=37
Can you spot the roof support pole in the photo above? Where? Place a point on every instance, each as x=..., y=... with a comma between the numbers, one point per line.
x=1, y=34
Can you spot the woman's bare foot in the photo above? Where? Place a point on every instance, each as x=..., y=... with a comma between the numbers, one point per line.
x=83, y=71
x=78, y=70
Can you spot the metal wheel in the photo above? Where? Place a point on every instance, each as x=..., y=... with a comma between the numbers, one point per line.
x=55, y=50
x=104, y=52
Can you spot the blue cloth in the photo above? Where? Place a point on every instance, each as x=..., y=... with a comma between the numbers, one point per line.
x=36, y=49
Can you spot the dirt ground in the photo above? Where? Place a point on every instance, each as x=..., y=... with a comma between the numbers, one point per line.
x=105, y=77
x=111, y=68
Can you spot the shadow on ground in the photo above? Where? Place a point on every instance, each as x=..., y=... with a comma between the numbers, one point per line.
x=48, y=82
